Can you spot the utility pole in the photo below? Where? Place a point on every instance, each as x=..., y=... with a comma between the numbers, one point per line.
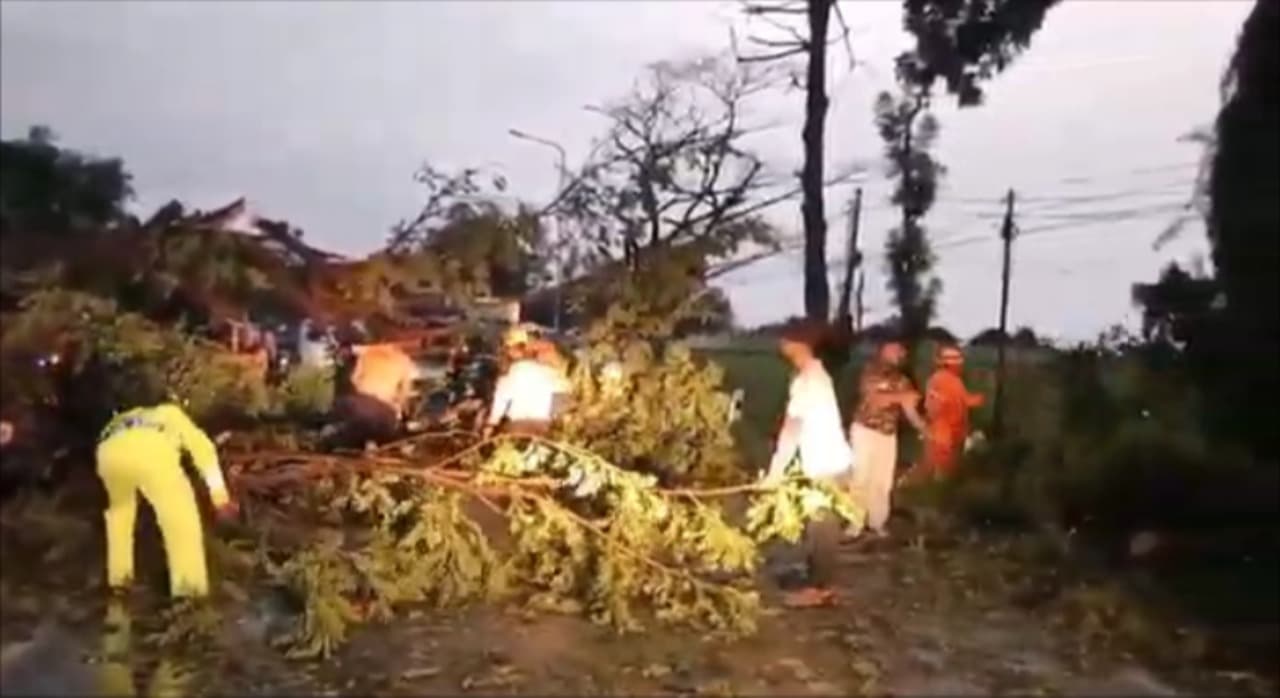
x=853, y=258
x=858, y=309
x=1006, y=236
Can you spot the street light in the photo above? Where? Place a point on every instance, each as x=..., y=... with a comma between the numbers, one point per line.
x=555, y=245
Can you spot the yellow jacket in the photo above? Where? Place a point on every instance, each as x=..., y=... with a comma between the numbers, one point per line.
x=173, y=424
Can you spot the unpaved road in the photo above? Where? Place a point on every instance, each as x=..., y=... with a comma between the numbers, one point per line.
x=912, y=621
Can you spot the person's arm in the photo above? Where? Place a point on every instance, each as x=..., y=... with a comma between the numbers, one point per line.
x=785, y=450
x=501, y=400
x=912, y=414
x=204, y=455
x=788, y=443
x=562, y=384
x=975, y=399
x=405, y=388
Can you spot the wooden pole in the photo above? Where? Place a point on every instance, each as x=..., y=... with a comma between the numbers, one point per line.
x=853, y=258
x=859, y=309
x=1006, y=235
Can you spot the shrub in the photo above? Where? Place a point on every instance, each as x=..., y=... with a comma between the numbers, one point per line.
x=306, y=392
x=113, y=360
x=1098, y=439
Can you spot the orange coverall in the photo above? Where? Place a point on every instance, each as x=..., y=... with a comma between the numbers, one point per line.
x=947, y=405
x=384, y=372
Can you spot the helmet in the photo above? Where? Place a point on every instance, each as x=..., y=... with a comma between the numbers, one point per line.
x=515, y=336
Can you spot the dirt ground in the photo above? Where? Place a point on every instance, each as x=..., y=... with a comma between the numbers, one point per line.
x=912, y=620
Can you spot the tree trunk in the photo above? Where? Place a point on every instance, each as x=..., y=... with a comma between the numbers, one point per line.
x=817, y=294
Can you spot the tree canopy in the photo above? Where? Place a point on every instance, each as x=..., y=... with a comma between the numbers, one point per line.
x=49, y=189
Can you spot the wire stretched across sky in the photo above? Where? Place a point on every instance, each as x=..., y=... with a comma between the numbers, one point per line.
x=1082, y=223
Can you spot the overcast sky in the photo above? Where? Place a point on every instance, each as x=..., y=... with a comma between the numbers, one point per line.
x=320, y=112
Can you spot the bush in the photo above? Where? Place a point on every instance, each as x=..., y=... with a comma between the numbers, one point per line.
x=1105, y=440
x=306, y=392
x=113, y=360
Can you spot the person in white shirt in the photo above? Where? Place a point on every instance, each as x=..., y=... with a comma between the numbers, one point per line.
x=525, y=396
x=812, y=431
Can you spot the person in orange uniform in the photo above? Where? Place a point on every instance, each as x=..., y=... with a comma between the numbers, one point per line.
x=947, y=405
x=382, y=384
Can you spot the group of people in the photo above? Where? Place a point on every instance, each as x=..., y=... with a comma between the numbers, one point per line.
x=139, y=452
x=375, y=400
x=863, y=459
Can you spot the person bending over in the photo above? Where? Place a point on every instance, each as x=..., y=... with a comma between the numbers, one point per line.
x=140, y=452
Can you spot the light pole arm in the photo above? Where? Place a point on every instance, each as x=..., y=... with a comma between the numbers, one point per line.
x=563, y=171
x=560, y=152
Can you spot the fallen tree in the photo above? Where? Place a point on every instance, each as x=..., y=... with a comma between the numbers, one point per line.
x=538, y=523
x=635, y=511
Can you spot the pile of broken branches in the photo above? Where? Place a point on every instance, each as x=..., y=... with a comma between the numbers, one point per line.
x=523, y=520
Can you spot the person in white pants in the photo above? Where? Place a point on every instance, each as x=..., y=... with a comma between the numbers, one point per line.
x=885, y=395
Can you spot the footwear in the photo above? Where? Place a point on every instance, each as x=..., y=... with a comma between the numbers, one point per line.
x=809, y=597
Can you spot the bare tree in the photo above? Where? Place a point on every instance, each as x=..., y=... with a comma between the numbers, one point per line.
x=672, y=169
x=813, y=45
x=451, y=197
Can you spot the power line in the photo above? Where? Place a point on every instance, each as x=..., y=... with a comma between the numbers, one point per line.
x=1047, y=204
x=1077, y=180
x=1069, y=223
x=1049, y=229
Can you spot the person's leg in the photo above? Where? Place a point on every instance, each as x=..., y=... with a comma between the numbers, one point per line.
x=118, y=468
x=883, y=460
x=858, y=479
x=822, y=541
x=361, y=418
x=169, y=492
x=384, y=421
x=943, y=452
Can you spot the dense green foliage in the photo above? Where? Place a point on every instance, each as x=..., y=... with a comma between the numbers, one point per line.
x=908, y=131
x=112, y=360
x=1244, y=230
x=306, y=392
x=1224, y=327
x=664, y=414
x=567, y=532
x=965, y=42
x=52, y=190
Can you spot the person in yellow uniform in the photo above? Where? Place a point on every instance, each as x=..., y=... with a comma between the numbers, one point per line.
x=140, y=451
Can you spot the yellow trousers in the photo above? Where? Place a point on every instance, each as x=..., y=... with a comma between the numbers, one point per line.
x=140, y=460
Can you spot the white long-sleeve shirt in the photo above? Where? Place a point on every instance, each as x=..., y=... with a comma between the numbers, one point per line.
x=526, y=392
x=813, y=427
